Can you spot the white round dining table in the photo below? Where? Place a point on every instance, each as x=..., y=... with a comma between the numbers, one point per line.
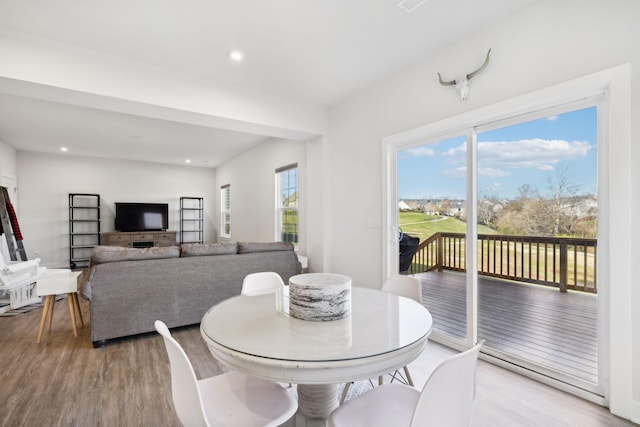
x=256, y=335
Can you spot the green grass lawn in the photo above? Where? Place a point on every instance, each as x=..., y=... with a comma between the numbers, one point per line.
x=418, y=224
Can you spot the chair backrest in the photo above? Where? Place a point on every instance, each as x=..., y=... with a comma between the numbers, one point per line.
x=447, y=396
x=184, y=383
x=261, y=283
x=406, y=286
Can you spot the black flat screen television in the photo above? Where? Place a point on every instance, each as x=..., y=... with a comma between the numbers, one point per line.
x=142, y=216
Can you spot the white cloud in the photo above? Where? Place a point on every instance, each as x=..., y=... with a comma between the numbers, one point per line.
x=546, y=168
x=422, y=151
x=530, y=152
x=552, y=118
x=533, y=153
x=461, y=172
x=485, y=172
x=456, y=151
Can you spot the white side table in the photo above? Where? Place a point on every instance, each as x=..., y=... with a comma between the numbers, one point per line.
x=54, y=283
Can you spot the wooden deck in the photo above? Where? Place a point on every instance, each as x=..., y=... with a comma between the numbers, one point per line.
x=541, y=325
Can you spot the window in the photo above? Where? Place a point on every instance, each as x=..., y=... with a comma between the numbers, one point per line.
x=225, y=211
x=287, y=204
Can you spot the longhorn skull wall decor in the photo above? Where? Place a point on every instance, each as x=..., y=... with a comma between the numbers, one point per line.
x=462, y=83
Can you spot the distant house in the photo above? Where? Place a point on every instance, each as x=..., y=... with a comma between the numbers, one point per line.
x=403, y=206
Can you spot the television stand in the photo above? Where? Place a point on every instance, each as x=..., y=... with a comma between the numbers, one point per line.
x=142, y=244
x=139, y=239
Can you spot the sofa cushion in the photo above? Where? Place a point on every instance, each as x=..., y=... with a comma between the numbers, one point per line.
x=201, y=249
x=104, y=254
x=251, y=247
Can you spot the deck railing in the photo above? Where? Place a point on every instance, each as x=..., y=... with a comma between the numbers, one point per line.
x=564, y=263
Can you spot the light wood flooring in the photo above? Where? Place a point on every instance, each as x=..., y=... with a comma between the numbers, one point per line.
x=64, y=381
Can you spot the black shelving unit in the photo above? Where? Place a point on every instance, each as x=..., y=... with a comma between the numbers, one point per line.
x=84, y=228
x=191, y=220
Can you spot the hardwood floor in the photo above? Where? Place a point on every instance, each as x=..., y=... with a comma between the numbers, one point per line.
x=64, y=381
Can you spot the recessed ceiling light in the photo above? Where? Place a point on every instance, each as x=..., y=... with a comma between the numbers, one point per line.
x=236, y=55
x=64, y=149
x=188, y=161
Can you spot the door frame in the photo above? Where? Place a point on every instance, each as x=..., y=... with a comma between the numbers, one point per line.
x=614, y=85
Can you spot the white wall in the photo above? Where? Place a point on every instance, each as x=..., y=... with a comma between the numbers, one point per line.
x=45, y=180
x=7, y=168
x=7, y=159
x=549, y=43
x=317, y=206
x=252, y=179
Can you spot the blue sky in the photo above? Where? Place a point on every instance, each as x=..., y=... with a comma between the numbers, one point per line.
x=532, y=153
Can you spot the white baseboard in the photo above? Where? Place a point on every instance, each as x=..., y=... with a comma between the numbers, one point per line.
x=635, y=411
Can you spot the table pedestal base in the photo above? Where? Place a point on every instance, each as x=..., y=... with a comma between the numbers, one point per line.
x=315, y=403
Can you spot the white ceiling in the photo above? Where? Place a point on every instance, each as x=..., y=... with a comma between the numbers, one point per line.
x=318, y=52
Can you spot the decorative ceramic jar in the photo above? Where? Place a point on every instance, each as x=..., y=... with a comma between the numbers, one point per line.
x=319, y=296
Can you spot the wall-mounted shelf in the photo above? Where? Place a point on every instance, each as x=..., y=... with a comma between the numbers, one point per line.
x=84, y=228
x=191, y=220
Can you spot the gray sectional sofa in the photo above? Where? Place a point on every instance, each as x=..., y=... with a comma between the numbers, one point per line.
x=129, y=289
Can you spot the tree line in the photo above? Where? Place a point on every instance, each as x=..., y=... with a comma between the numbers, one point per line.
x=561, y=211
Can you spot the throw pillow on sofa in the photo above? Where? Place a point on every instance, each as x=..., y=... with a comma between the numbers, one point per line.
x=103, y=254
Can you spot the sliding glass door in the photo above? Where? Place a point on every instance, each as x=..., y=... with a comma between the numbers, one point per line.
x=432, y=212
x=537, y=288
x=505, y=219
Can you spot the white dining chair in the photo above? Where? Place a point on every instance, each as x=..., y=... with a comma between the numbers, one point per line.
x=264, y=282
x=230, y=399
x=409, y=287
x=406, y=286
x=445, y=400
x=261, y=283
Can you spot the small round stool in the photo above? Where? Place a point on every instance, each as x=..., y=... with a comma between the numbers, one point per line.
x=54, y=283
